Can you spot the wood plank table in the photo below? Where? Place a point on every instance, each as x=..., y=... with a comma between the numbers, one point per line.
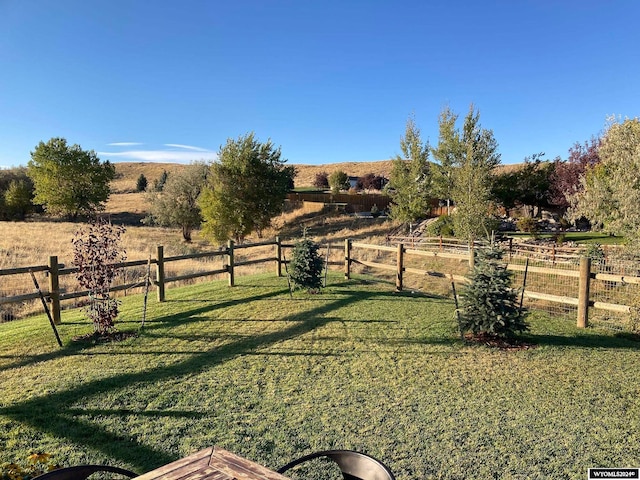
x=212, y=463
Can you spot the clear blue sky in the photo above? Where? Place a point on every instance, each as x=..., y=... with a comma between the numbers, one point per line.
x=328, y=81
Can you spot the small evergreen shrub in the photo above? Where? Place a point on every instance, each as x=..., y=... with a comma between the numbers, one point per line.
x=528, y=225
x=489, y=304
x=306, y=266
x=141, y=183
x=595, y=253
x=443, y=225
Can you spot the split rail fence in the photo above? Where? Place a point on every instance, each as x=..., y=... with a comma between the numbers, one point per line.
x=573, y=287
x=55, y=271
x=574, y=284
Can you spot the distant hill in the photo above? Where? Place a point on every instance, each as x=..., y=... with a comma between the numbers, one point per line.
x=127, y=173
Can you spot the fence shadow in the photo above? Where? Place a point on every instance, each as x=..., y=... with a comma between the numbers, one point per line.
x=55, y=413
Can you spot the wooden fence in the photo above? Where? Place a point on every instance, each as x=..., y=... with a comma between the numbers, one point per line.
x=55, y=271
x=580, y=298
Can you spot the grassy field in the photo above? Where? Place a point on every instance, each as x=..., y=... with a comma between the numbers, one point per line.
x=358, y=366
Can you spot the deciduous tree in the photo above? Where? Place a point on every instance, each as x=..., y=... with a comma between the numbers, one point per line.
x=371, y=181
x=448, y=155
x=177, y=204
x=610, y=194
x=338, y=180
x=245, y=189
x=473, y=180
x=410, y=178
x=16, y=194
x=565, y=179
x=527, y=186
x=69, y=180
x=321, y=180
x=17, y=199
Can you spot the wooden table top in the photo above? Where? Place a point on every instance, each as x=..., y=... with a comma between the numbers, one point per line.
x=212, y=463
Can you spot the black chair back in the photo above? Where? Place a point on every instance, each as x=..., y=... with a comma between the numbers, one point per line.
x=353, y=465
x=82, y=472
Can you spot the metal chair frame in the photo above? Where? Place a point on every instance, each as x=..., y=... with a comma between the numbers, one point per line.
x=82, y=472
x=354, y=465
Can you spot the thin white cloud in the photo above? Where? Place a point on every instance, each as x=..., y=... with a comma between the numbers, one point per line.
x=124, y=144
x=186, y=147
x=161, y=156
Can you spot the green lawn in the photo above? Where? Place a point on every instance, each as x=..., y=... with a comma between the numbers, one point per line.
x=359, y=366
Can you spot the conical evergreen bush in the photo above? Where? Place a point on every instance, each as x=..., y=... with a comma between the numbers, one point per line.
x=306, y=266
x=488, y=303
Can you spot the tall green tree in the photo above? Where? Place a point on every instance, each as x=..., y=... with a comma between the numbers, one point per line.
x=245, y=189
x=447, y=156
x=16, y=194
x=410, y=178
x=17, y=199
x=69, y=180
x=610, y=193
x=528, y=186
x=473, y=180
x=338, y=180
x=176, y=205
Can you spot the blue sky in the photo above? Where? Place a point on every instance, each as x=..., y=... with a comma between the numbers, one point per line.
x=328, y=81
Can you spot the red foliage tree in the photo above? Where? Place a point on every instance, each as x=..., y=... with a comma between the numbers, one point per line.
x=566, y=176
x=370, y=181
x=321, y=180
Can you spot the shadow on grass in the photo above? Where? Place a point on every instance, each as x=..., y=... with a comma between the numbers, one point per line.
x=57, y=414
x=180, y=318
x=582, y=341
x=52, y=413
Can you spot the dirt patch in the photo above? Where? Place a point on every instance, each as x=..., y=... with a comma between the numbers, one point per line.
x=95, y=338
x=501, y=343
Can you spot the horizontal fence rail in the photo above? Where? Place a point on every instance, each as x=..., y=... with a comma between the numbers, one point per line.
x=580, y=270
x=587, y=286
x=54, y=295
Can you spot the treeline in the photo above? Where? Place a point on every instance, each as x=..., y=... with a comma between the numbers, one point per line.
x=16, y=194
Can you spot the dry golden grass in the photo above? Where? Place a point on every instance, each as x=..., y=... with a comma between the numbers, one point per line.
x=27, y=244
x=306, y=174
x=127, y=203
x=127, y=173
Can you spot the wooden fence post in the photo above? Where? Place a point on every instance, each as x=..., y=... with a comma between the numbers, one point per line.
x=583, y=292
x=347, y=259
x=400, y=267
x=472, y=257
x=278, y=257
x=232, y=280
x=54, y=289
x=160, y=272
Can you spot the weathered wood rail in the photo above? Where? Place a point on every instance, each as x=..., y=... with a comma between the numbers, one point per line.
x=55, y=271
x=583, y=273
x=579, y=298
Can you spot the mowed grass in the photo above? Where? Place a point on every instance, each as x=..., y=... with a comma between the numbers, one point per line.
x=359, y=366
